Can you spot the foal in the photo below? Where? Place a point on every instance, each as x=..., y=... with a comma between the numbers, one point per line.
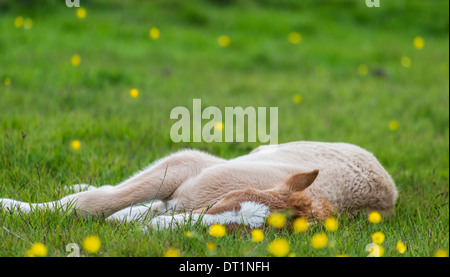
x=312, y=179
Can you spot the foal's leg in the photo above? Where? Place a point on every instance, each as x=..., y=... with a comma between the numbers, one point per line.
x=158, y=181
x=213, y=183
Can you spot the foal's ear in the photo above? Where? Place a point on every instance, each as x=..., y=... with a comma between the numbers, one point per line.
x=300, y=181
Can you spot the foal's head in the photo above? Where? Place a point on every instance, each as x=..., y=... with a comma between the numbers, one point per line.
x=288, y=195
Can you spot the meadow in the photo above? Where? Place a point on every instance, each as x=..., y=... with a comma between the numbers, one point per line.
x=86, y=95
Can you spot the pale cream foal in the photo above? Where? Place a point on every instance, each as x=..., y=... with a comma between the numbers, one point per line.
x=312, y=179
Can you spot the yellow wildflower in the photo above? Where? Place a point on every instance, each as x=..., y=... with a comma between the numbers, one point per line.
x=81, y=13
x=257, y=235
x=27, y=24
x=18, y=22
x=75, y=144
x=441, y=253
x=406, y=62
x=331, y=224
x=134, y=92
x=295, y=37
x=217, y=230
x=375, y=216
x=279, y=247
x=154, y=33
x=38, y=249
x=172, y=252
x=300, y=225
x=297, y=98
x=393, y=125
x=381, y=250
x=224, y=40
x=375, y=250
x=319, y=241
x=210, y=246
x=418, y=42
x=7, y=81
x=75, y=60
x=401, y=247
x=218, y=126
x=277, y=220
x=92, y=244
x=378, y=237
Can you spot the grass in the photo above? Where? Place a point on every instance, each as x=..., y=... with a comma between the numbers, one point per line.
x=49, y=103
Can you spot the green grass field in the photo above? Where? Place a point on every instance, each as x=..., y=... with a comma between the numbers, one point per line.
x=356, y=76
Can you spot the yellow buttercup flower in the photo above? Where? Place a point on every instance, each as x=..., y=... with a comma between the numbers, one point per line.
x=319, y=241
x=394, y=125
x=401, y=247
x=92, y=244
x=297, y=98
x=154, y=33
x=375, y=216
x=363, y=70
x=75, y=144
x=406, y=62
x=381, y=250
x=38, y=249
x=27, y=24
x=18, y=22
x=80, y=12
x=257, y=235
x=378, y=237
x=211, y=246
x=188, y=234
x=279, y=247
x=418, y=42
x=224, y=40
x=219, y=126
x=300, y=225
x=7, y=81
x=277, y=220
x=441, y=253
x=375, y=250
x=134, y=92
x=217, y=230
x=331, y=224
x=75, y=60
x=172, y=252
x=342, y=255
x=295, y=37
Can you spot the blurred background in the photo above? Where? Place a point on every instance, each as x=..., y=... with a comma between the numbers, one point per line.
x=86, y=92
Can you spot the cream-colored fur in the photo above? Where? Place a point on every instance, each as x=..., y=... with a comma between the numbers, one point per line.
x=349, y=179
